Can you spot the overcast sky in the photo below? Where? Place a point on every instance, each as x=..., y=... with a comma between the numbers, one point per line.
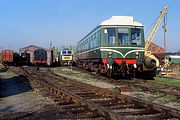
x=65, y=22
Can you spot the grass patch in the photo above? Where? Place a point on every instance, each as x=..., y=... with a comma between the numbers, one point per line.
x=71, y=73
x=159, y=94
x=3, y=68
x=10, y=75
x=166, y=99
x=155, y=87
x=162, y=101
x=2, y=101
x=151, y=99
x=139, y=95
x=67, y=71
x=33, y=82
x=170, y=97
x=177, y=107
x=10, y=69
x=138, y=89
x=167, y=81
x=115, y=90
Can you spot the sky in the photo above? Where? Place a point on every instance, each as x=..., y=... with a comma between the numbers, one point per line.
x=65, y=22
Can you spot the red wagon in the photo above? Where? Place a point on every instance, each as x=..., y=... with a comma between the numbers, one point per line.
x=7, y=56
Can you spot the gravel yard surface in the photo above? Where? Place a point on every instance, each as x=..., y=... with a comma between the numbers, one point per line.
x=18, y=99
x=83, y=77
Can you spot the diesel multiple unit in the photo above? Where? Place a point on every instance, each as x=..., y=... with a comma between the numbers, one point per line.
x=114, y=47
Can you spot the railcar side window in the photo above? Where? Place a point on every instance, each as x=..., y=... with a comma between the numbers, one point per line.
x=98, y=38
x=95, y=40
x=136, y=36
x=110, y=36
x=123, y=37
x=91, y=42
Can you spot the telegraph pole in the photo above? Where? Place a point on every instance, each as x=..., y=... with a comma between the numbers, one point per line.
x=165, y=30
x=50, y=44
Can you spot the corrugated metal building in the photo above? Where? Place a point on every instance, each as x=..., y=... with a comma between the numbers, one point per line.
x=31, y=48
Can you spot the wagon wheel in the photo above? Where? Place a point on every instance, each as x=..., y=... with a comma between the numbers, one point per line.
x=109, y=73
x=97, y=70
x=133, y=73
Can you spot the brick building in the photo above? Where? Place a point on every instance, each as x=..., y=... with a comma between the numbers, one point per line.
x=156, y=49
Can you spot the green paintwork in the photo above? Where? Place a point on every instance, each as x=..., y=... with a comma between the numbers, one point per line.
x=123, y=51
x=99, y=54
x=173, y=59
x=90, y=53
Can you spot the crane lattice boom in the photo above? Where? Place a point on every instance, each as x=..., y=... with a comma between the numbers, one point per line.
x=154, y=30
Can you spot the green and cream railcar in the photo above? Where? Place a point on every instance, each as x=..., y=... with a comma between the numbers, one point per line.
x=173, y=59
x=116, y=46
x=172, y=62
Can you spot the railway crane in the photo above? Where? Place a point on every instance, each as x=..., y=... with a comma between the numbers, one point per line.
x=150, y=61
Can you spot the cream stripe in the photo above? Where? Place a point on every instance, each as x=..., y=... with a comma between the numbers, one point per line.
x=110, y=50
x=132, y=52
x=109, y=47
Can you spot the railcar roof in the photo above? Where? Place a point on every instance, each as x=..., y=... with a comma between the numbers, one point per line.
x=117, y=21
x=121, y=20
x=173, y=56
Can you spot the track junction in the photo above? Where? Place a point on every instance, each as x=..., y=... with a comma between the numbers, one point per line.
x=100, y=103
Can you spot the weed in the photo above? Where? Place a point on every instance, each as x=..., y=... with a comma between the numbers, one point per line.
x=151, y=99
x=115, y=90
x=159, y=94
x=168, y=81
x=139, y=95
x=170, y=97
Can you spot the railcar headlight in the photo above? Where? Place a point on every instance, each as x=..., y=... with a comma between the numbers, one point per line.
x=108, y=65
x=137, y=53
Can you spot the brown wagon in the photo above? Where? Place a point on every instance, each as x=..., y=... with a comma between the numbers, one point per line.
x=7, y=56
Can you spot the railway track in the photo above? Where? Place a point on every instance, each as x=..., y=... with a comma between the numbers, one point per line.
x=104, y=103
x=70, y=109
x=145, y=85
x=157, y=87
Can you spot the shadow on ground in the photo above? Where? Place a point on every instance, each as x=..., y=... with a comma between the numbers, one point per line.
x=14, y=86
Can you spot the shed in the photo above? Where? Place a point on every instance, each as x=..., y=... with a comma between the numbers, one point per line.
x=31, y=48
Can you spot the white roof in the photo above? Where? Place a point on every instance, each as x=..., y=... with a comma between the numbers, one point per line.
x=121, y=20
x=174, y=56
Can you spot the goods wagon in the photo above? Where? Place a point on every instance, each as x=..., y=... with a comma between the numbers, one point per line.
x=7, y=56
